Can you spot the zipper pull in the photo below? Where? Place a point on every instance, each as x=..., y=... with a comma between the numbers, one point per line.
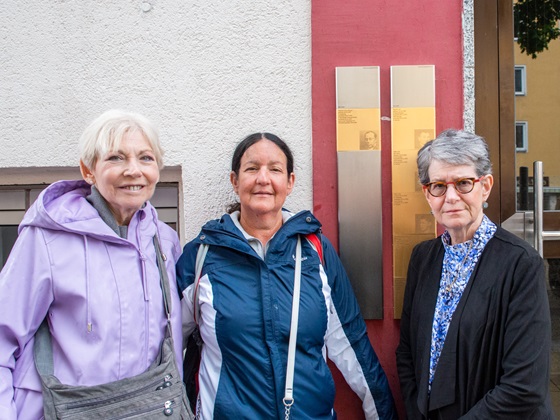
x=168, y=410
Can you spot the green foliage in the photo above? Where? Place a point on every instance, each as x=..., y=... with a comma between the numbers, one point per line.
x=536, y=24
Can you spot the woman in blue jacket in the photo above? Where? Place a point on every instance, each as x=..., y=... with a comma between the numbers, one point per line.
x=244, y=296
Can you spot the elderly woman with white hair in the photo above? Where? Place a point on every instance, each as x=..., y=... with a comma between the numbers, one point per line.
x=89, y=262
x=475, y=326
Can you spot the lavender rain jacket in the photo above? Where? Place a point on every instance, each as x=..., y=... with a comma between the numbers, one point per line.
x=101, y=294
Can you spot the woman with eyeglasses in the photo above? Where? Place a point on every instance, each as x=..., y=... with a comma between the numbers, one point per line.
x=475, y=326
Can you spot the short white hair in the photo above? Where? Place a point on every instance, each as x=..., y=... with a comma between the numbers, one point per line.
x=106, y=132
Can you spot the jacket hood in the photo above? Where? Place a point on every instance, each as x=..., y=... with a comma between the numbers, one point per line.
x=63, y=206
x=223, y=232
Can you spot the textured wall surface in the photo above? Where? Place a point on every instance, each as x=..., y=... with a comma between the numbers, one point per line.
x=206, y=72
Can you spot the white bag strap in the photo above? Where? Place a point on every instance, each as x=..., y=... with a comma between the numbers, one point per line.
x=289, y=389
x=200, y=256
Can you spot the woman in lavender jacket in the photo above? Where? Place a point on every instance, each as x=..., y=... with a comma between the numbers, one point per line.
x=85, y=260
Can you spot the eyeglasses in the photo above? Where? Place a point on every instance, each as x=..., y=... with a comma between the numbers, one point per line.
x=462, y=185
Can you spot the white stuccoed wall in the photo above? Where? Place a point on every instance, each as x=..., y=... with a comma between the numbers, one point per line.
x=206, y=72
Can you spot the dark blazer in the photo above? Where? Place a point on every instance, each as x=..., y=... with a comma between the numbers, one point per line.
x=495, y=360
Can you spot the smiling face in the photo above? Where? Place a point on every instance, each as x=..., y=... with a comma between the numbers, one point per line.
x=460, y=214
x=127, y=177
x=263, y=182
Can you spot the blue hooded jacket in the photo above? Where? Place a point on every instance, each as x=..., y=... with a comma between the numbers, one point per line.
x=245, y=313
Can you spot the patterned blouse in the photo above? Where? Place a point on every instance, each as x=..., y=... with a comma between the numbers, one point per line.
x=458, y=264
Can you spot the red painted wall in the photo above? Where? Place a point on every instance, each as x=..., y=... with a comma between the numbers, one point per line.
x=378, y=33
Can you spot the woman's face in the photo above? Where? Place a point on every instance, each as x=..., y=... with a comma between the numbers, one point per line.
x=460, y=214
x=126, y=178
x=263, y=182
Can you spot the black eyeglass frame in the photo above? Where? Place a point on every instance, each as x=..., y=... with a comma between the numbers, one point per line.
x=455, y=183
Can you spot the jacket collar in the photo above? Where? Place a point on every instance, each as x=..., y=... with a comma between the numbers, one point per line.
x=99, y=204
x=224, y=232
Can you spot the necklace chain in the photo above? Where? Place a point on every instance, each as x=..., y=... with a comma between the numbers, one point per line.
x=459, y=269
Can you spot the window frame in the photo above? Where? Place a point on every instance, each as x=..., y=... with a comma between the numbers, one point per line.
x=32, y=191
x=522, y=91
x=525, y=140
x=12, y=211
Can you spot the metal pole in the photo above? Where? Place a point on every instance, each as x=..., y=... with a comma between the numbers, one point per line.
x=538, y=208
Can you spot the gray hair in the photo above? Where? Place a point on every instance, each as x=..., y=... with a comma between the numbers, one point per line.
x=454, y=147
x=106, y=132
